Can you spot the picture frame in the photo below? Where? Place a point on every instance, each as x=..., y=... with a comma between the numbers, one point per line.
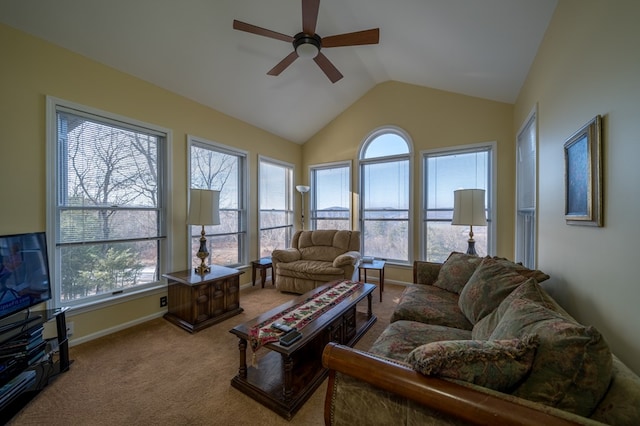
x=583, y=175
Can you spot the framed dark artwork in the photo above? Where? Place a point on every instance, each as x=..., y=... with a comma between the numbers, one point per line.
x=583, y=175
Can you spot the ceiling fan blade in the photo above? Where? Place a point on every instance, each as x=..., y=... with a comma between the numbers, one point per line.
x=371, y=36
x=283, y=64
x=310, y=16
x=243, y=26
x=327, y=67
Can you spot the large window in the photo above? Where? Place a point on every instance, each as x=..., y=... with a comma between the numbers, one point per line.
x=385, y=188
x=218, y=167
x=445, y=171
x=108, y=203
x=526, y=194
x=331, y=196
x=276, y=205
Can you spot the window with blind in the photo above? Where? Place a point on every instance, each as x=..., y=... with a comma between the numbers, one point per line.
x=526, y=177
x=220, y=167
x=445, y=171
x=275, y=180
x=107, y=220
x=330, y=200
x=385, y=193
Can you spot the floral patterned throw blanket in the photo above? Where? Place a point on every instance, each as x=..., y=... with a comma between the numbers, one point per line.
x=300, y=315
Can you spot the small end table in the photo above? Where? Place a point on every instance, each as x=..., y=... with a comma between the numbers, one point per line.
x=376, y=265
x=197, y=301
x=263, y=264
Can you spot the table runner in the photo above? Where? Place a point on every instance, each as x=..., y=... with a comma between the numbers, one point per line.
x=300, y=315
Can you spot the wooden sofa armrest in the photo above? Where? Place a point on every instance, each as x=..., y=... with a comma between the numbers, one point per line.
x=448, y=397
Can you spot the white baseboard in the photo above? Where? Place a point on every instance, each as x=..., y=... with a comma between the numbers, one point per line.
x=107, y=331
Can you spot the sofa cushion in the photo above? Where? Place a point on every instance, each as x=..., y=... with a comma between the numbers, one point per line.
x=572, y=366
x=456, y=271
x=489, y=285
x=495, y=364
x=325, y=244
x=539, y=276
x=401, y=337
x=621, y=404
x=430, y=305
x=310, y=269
x=529, y=290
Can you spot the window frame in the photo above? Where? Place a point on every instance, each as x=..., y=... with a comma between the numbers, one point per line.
x=313, y=202
x=242, y=210
x=491, y=148
x=524, y=234
x=290, y=201
x=363, y=162
x=86, y=304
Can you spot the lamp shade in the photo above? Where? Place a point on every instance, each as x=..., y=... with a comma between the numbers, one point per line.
x=468, y=207
x=204, y=207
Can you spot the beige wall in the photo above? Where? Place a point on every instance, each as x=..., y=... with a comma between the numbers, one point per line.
x=32, y=69
x=589, y=64
x=433, y=119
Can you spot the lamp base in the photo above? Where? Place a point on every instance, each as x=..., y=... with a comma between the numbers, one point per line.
x=202, y=269
x=202, y=254
x=471, y=250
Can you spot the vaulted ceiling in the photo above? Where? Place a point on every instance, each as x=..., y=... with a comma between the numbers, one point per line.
x=481, y=48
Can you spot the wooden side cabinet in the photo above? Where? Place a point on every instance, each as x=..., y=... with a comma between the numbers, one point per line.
x=197, y=301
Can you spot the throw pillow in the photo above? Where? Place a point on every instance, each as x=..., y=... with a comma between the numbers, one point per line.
x=522, y=270
x=572, y=366
x=456, y=271
x=497, y=364
x=487, y=288
x=529, y=290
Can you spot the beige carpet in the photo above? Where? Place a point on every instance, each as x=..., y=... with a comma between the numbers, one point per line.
x=158, y=374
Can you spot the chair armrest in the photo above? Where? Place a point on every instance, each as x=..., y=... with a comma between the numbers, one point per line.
x=346, y=259
x=425, y=272
x=453, y=399
x=285, y=255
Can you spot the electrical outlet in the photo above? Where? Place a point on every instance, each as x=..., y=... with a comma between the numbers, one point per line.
x=163, y=301
x=70, y=329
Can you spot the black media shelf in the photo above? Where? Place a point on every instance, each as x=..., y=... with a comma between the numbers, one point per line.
x=28, y=368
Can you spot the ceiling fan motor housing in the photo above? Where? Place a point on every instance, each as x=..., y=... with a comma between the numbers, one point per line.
x=307, y=46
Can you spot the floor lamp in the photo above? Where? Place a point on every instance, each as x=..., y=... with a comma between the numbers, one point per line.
x=302, y=189
x=203, y=210
x=468, y=209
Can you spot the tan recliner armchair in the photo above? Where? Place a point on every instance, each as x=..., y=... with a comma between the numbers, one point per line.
x=316, y=258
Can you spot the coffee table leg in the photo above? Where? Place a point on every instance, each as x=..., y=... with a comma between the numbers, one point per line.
x=242, y=346
x=287, y=386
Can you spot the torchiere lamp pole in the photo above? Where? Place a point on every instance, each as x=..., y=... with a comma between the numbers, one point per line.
x=302, y=189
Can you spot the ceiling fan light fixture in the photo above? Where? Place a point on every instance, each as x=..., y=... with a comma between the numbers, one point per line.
x=307, y=46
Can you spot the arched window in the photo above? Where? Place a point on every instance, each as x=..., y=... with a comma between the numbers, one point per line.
x=385, y=195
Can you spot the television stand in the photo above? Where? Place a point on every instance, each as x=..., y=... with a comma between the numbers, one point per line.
x=13, y=325
x=26, y=377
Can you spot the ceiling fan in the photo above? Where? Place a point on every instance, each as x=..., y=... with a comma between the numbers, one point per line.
x=308, y=44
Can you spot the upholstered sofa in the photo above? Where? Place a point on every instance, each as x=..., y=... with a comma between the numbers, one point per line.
x=479, y=341
x=315, y=258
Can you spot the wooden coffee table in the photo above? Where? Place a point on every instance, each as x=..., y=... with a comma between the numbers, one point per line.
x=287, y=376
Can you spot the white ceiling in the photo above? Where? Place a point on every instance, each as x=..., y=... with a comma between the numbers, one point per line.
x=481, y=48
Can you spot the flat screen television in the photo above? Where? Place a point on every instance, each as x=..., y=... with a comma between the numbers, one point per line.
x=24, y=272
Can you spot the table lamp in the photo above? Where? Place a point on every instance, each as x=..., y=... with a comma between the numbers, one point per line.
x=203, y=210
x=468, y=209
